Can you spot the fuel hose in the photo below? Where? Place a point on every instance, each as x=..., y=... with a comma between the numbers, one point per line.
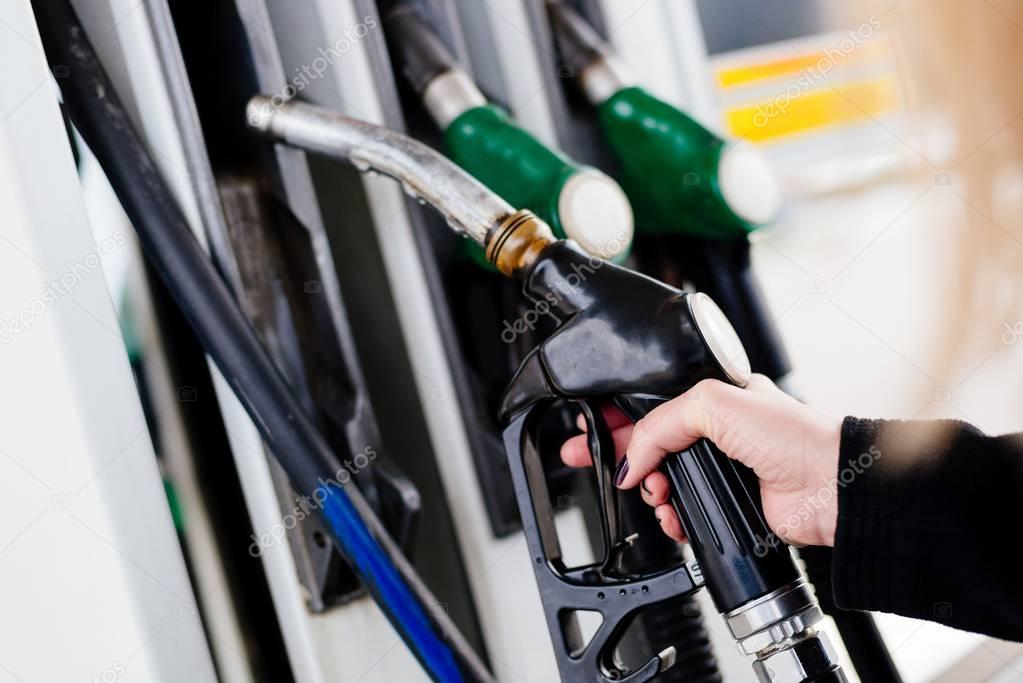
x=229, y=339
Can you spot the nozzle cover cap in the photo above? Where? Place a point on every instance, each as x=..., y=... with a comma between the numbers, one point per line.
x=594, y=211
x=748, y=184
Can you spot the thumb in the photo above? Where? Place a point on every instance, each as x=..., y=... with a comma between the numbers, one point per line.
x=674, y=426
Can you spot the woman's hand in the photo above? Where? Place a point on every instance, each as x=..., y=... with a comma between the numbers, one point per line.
x=792, y=448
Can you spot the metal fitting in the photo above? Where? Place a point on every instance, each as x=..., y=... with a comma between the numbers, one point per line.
x=515, y=245
x=806, y=659
x=451, y=94
x=603, y=77
x=780, y=630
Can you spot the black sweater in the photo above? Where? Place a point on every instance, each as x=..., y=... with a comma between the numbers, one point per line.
x=930, y=524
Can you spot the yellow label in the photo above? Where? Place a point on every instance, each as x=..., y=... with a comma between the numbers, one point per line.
x=799, y=112
x=824, y=60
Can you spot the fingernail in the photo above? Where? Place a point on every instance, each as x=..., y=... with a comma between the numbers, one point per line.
x=642, y=485
x=623, y=469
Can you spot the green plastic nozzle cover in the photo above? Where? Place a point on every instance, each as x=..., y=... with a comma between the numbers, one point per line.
x=670, y=167
x=511, y=162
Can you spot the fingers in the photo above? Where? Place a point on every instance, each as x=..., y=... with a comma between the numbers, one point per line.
x=614, y=418
x=575, y=452
x=654, y=489
x=656, y=493
x=674, y=426
x=670, y=524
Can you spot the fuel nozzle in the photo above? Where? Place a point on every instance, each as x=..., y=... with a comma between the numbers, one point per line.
x=684, y=337
x=512, y=240
x=578, y=201
x=679, y=176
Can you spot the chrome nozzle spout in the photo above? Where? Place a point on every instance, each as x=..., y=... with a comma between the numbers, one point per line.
x=466, y=204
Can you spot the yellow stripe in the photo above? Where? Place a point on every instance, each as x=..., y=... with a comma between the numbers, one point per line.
x=844, y=103
x=730, y=77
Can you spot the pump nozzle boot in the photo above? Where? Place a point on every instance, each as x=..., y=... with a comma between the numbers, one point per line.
x=577, y=201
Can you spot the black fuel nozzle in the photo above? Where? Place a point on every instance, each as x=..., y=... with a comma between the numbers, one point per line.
x=630, y=339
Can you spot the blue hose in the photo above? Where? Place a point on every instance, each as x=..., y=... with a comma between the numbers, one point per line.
x=388, y=586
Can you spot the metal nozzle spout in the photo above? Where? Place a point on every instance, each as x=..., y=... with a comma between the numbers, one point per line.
x=467, y=205
x=511, y=238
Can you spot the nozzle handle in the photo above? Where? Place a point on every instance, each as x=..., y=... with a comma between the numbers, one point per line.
x=717, y=502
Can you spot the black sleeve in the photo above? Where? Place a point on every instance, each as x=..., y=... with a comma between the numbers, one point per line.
x=930, y=515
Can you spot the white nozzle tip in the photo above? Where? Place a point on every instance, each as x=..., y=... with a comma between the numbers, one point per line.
x=595, y=212
x=748, y=184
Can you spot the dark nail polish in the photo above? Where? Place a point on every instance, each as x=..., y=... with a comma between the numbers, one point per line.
x=623, y=469
x=642, y=485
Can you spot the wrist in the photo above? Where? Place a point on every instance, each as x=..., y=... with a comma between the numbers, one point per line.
x=829, y=451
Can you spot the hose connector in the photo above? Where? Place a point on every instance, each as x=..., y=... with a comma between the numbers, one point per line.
x=781, y=630
x=514, y=247
x=430, y=68
x=599, y=71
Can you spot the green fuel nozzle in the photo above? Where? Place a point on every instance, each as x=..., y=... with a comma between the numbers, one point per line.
x=679, y=176
x=579, y=202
